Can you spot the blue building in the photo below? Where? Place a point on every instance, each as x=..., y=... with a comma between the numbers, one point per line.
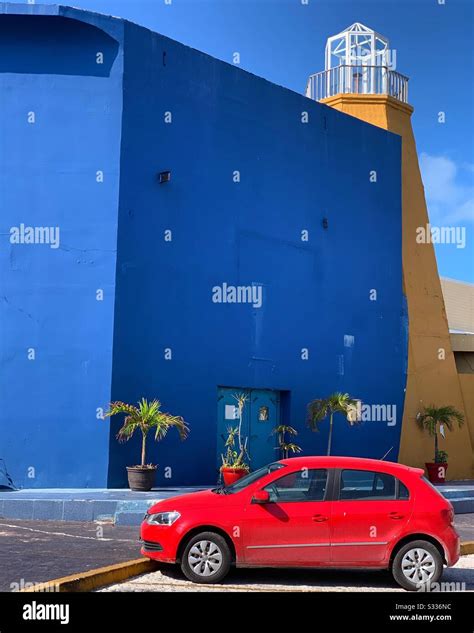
x=175, y=227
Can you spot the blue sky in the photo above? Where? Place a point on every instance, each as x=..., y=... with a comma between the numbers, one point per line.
x=283, y=41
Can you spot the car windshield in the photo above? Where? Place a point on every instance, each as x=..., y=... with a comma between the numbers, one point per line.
x=252, y=477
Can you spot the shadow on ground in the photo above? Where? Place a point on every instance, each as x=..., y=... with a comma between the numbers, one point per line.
x=170, y=578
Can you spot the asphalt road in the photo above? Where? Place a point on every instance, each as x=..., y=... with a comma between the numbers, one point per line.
x=465, y=526
x=37, y=551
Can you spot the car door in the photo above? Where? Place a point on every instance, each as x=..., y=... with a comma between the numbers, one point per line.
x=293, y=529
x=370, y=509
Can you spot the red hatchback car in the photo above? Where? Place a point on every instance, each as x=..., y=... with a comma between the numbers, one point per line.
x=338, y=512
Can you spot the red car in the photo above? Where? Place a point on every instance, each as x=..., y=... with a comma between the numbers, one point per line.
x=338, y=512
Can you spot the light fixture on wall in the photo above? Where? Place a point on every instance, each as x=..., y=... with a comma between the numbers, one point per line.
x=263, y=414
x=164, y=176
x=325, y=223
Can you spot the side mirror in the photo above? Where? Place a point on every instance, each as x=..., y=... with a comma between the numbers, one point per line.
x=261, y=496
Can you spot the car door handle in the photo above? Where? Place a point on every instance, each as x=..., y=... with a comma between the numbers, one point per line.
x=395, y=515
x=319, y=517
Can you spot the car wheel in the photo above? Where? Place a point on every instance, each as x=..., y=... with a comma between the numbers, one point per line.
x=417, y=565
x=206, y=558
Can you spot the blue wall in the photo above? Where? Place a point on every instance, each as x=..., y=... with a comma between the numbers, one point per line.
x=292, y=176
x=158, y=294
x=49, y=432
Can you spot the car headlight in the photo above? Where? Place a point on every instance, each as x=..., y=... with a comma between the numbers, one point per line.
x=162, y=518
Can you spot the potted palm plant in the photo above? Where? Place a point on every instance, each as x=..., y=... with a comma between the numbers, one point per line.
x=145, y=416
x=319, y=409
x=234, y=465
x=435, y=420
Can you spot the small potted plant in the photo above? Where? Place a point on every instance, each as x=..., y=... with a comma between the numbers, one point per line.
x=233, y=466
x=145, y=416
x=435, y=420
x=233, y=460
x=437, y=469
x=284, y=445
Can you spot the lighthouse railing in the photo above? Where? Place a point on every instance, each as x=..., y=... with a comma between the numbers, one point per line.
x=359, y=79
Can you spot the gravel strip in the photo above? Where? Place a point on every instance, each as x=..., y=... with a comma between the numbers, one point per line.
x=169, y=579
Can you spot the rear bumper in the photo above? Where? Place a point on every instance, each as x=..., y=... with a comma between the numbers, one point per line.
x=452, y=545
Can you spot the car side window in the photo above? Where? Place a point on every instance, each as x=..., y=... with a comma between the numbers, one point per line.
x=302, y=485
x=365, y=485
x=403, y=493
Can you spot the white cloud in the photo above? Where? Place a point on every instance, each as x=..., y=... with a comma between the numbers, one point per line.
x=449, y=200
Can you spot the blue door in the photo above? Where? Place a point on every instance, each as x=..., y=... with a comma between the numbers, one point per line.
x=264, y=417
x=260, y=415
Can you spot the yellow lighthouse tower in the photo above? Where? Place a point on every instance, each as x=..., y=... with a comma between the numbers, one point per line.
x=360, y=80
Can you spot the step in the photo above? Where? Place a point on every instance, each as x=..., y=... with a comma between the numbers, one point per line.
x=460, y=494
x=122, y=507
x=464, y=505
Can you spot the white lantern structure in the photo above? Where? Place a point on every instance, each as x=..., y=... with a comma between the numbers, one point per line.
x=358, y=61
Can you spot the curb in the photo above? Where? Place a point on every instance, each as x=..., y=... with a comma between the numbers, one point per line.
x=96, y=578
x=467, y=548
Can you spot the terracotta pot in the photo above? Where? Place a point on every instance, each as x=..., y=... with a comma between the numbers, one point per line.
x=231, y=475
x=141, y=479
x=437, y=472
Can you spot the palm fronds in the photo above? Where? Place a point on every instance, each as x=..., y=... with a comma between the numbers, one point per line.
x=432, y=418
x=321, y=408
x=145, y=416
x=285, y=447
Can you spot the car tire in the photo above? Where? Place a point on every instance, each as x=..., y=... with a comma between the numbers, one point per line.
x=206, y=558
x=416, y=564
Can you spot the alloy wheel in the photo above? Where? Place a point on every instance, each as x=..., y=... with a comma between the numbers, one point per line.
x=418, y=565
x=205, y=558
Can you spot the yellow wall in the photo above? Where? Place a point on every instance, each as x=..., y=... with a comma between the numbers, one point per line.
x=431, y=379
x=467, y=387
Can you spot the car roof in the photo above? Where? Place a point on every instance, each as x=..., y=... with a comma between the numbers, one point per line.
x=346, y=462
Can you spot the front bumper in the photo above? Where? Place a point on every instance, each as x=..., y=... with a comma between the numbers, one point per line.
x=151, y=547
x=159, y=542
